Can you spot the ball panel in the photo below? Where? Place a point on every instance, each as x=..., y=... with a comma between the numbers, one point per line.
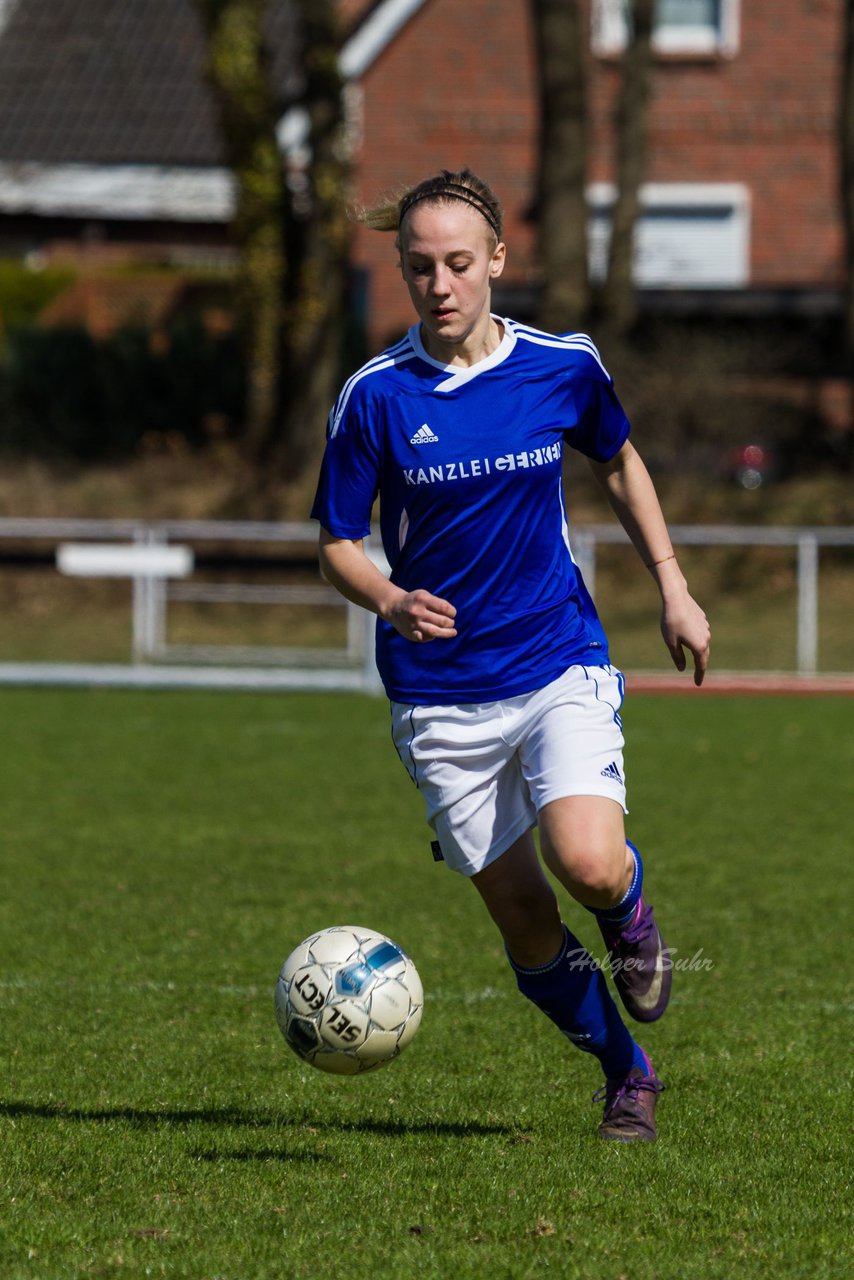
x=344, y=1024
x=380, y=1046
x=282, y=1005
x=309, y=989
x=299, y=956
x=335, y=946
x=390, y=1004
x=407, y=1035
x=385, y=957
x=336, y=1063
x=412, y=980
x=301, y=1035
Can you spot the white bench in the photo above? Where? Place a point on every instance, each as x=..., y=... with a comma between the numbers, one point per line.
x=147, y=565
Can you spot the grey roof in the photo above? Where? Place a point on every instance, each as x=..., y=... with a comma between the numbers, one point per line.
x=117, y=81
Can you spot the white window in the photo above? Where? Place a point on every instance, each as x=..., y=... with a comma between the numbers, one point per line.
x=680, y=26
x=688, y=235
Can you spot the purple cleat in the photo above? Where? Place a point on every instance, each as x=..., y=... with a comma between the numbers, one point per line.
x=640, y=964
x=630, y=1107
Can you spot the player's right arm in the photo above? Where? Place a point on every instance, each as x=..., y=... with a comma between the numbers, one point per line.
x=417, y=615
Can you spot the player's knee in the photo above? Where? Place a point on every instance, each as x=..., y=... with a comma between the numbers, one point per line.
x=599, y=872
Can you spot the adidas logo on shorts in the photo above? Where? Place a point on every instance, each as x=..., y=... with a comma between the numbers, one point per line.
x=424, y=436
x=612, y=772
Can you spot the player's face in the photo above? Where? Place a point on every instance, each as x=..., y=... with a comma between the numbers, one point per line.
x=449, y=259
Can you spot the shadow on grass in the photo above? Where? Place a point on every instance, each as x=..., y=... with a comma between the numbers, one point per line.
x=241, y=1117
x=141, y=1119
x=247, y=1154
x=406, y=1128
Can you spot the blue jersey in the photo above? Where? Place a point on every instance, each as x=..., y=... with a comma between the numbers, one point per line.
x=467, y=465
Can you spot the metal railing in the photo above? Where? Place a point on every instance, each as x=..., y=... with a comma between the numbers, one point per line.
x=805, y=539
x=347, y=666
x=350, y=666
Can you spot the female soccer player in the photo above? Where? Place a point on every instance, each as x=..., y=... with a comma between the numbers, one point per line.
x=505, y=707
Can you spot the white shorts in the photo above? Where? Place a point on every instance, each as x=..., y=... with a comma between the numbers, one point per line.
x=486, y=769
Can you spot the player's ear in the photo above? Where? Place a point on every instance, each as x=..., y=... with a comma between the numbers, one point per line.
x=496, y=262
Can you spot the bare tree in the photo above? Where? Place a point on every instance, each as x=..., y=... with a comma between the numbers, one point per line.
x=315, y=290
x=847, y=178
x=618, y=301
x=292, y=234
x=237, y=70
x=562, y=210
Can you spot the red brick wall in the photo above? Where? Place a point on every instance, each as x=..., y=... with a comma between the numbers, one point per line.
x=456, y=87
x=765, y=117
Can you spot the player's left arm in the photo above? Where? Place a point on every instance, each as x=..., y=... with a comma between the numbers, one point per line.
x=631, y=493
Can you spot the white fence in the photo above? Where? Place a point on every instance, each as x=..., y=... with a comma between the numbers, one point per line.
x=806, y=540
x=145, y=553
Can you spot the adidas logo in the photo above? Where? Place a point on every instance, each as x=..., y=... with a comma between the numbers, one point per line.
x=612, y=772
x=424, y=436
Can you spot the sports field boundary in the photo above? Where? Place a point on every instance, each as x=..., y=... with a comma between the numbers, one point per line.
x=331, y=680
x=729, y=682
x=155, y=676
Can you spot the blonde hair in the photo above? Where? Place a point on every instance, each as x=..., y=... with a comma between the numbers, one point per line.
x=446, y=186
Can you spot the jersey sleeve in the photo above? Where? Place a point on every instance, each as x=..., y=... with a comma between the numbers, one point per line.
x=601, y=427
x=349, y=473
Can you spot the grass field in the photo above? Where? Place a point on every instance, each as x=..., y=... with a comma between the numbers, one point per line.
x=161, y=855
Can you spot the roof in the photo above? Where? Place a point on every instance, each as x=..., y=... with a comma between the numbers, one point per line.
x=112, y=82
x=105, y=111
x=375, y=29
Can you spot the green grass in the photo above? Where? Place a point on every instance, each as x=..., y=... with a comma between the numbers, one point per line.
x=161, y=855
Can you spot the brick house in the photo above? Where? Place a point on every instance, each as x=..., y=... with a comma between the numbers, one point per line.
x=108, y=138
x=741, y=202
x=108, y=143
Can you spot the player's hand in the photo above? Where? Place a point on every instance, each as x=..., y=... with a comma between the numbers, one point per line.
x=419, y=616
x=685, y=626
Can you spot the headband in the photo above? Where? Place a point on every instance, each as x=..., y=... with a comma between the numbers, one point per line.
x=453, y=191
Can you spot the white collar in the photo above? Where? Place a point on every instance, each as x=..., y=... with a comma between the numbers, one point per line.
x=460, y=374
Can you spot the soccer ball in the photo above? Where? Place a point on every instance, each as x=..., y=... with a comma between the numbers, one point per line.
x=348, y=1000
